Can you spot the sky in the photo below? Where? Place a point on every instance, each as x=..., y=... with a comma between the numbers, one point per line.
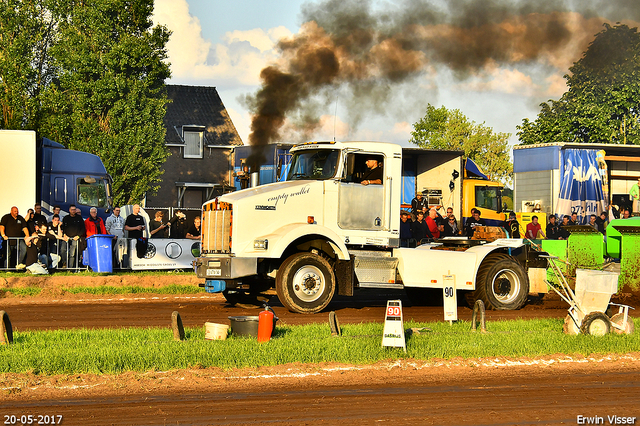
x=226, y=44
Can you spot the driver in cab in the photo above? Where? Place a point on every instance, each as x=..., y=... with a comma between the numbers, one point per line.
x=373, y=176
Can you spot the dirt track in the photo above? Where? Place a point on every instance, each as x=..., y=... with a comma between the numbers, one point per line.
x=195, y=310
x=554, y=390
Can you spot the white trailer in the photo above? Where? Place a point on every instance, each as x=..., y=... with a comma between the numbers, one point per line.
x=18, y=171
x=322, y=232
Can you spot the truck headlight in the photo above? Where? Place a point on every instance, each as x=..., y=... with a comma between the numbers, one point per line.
x=260, y=244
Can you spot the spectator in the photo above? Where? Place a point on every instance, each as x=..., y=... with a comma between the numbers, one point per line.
x=592, y=222
x=38, y=217
x=34, y=244
x=419, y=229
x=94, y=224
x=14, y=226
x=115, y=227
x=554, y=232
x=432, y=223
x=194, y=230
x=157, y=229
x=178, y=225
x=574, y=219
x=534, y=228
x=31, y=225
x=451, y=227
x=135, y=225
x=626, y=213
x=601, y=223
x=57, y=243
x=56, y=210
x=512, y=226
x=374, y=175
x=472, y=222
x=563, y=227
x=73, y=230
x=405, y=230
x=418, y=204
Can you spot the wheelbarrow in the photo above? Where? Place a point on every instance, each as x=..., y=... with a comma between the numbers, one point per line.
x=589, y=302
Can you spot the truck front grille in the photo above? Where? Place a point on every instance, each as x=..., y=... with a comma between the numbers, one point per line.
x=216, y=227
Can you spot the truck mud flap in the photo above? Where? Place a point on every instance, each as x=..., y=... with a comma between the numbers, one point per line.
x=344, y=276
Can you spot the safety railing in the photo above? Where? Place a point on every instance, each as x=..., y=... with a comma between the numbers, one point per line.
x=57, y=254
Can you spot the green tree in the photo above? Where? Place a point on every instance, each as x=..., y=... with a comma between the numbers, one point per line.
x=602, y=103
x=89, y=74
x=109, y=97
x=442, y=128
x=26, y=35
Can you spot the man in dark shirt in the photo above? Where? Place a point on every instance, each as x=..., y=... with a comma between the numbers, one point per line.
x=419, y=229
x=574, y=219
x=135, y=225
x=178, y=225
x=193, y=233
x=157, y=229
x=418, y=203
x=405, y=230
x=373, y=176
x=554, y=232
x=13, y=226
x=563, y=227
x=73, y=229
x=38, y=217
x=512, y=226
x=601, y=223
x=472, y=222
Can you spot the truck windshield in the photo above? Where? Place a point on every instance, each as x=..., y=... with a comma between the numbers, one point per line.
x=92, y=192
x=489, y=197
x=314, y=164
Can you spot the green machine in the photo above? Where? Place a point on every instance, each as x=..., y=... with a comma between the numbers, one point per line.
x=586, y=249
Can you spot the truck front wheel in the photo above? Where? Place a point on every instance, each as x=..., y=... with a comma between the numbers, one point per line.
x=502, y=283
x=305, y=283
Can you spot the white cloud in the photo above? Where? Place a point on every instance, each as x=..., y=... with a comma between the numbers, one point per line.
x=557, y=85
x=236, y=61
x=504, y=80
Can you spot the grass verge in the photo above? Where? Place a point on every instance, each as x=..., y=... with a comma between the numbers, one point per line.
x=104, y=290
x=145, y=349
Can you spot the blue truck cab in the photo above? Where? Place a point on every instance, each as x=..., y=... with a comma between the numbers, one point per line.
x=68, y=177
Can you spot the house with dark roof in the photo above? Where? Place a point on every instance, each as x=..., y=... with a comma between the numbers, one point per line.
x=200, y=136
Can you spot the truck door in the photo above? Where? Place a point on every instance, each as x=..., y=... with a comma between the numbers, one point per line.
x=361, y=206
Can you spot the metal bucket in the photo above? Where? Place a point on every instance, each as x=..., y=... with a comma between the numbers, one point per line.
x=247, y=325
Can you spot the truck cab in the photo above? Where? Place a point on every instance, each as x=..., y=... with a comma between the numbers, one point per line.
x=72, y=177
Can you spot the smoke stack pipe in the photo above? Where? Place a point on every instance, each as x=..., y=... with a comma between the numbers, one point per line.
x=255, y=179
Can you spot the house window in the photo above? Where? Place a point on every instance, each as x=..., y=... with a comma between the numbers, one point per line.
x=193, y=144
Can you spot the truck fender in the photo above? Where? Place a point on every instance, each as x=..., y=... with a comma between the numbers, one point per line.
x=281, y=239
x=485, y=250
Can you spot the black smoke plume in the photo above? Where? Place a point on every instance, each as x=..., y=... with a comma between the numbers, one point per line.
x=368, y=50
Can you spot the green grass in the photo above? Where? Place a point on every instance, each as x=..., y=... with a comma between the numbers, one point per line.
x=137, y=349
x=105, y=290
x=84, y=273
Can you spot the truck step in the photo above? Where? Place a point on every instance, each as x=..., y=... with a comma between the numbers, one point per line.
x=398, y=286
x=375, y=270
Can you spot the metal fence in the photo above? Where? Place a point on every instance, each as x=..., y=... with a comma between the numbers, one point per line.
x=56, y=254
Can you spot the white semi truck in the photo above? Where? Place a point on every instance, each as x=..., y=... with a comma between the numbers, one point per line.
x=322, y=232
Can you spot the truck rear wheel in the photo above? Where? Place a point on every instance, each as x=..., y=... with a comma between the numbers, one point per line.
x=502, y=283
x=305, y=283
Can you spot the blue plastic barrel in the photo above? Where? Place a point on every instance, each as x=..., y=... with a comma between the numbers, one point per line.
x=100, y=253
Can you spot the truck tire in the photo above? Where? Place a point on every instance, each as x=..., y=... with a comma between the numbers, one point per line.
x=501, y=283
x=305, y=283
